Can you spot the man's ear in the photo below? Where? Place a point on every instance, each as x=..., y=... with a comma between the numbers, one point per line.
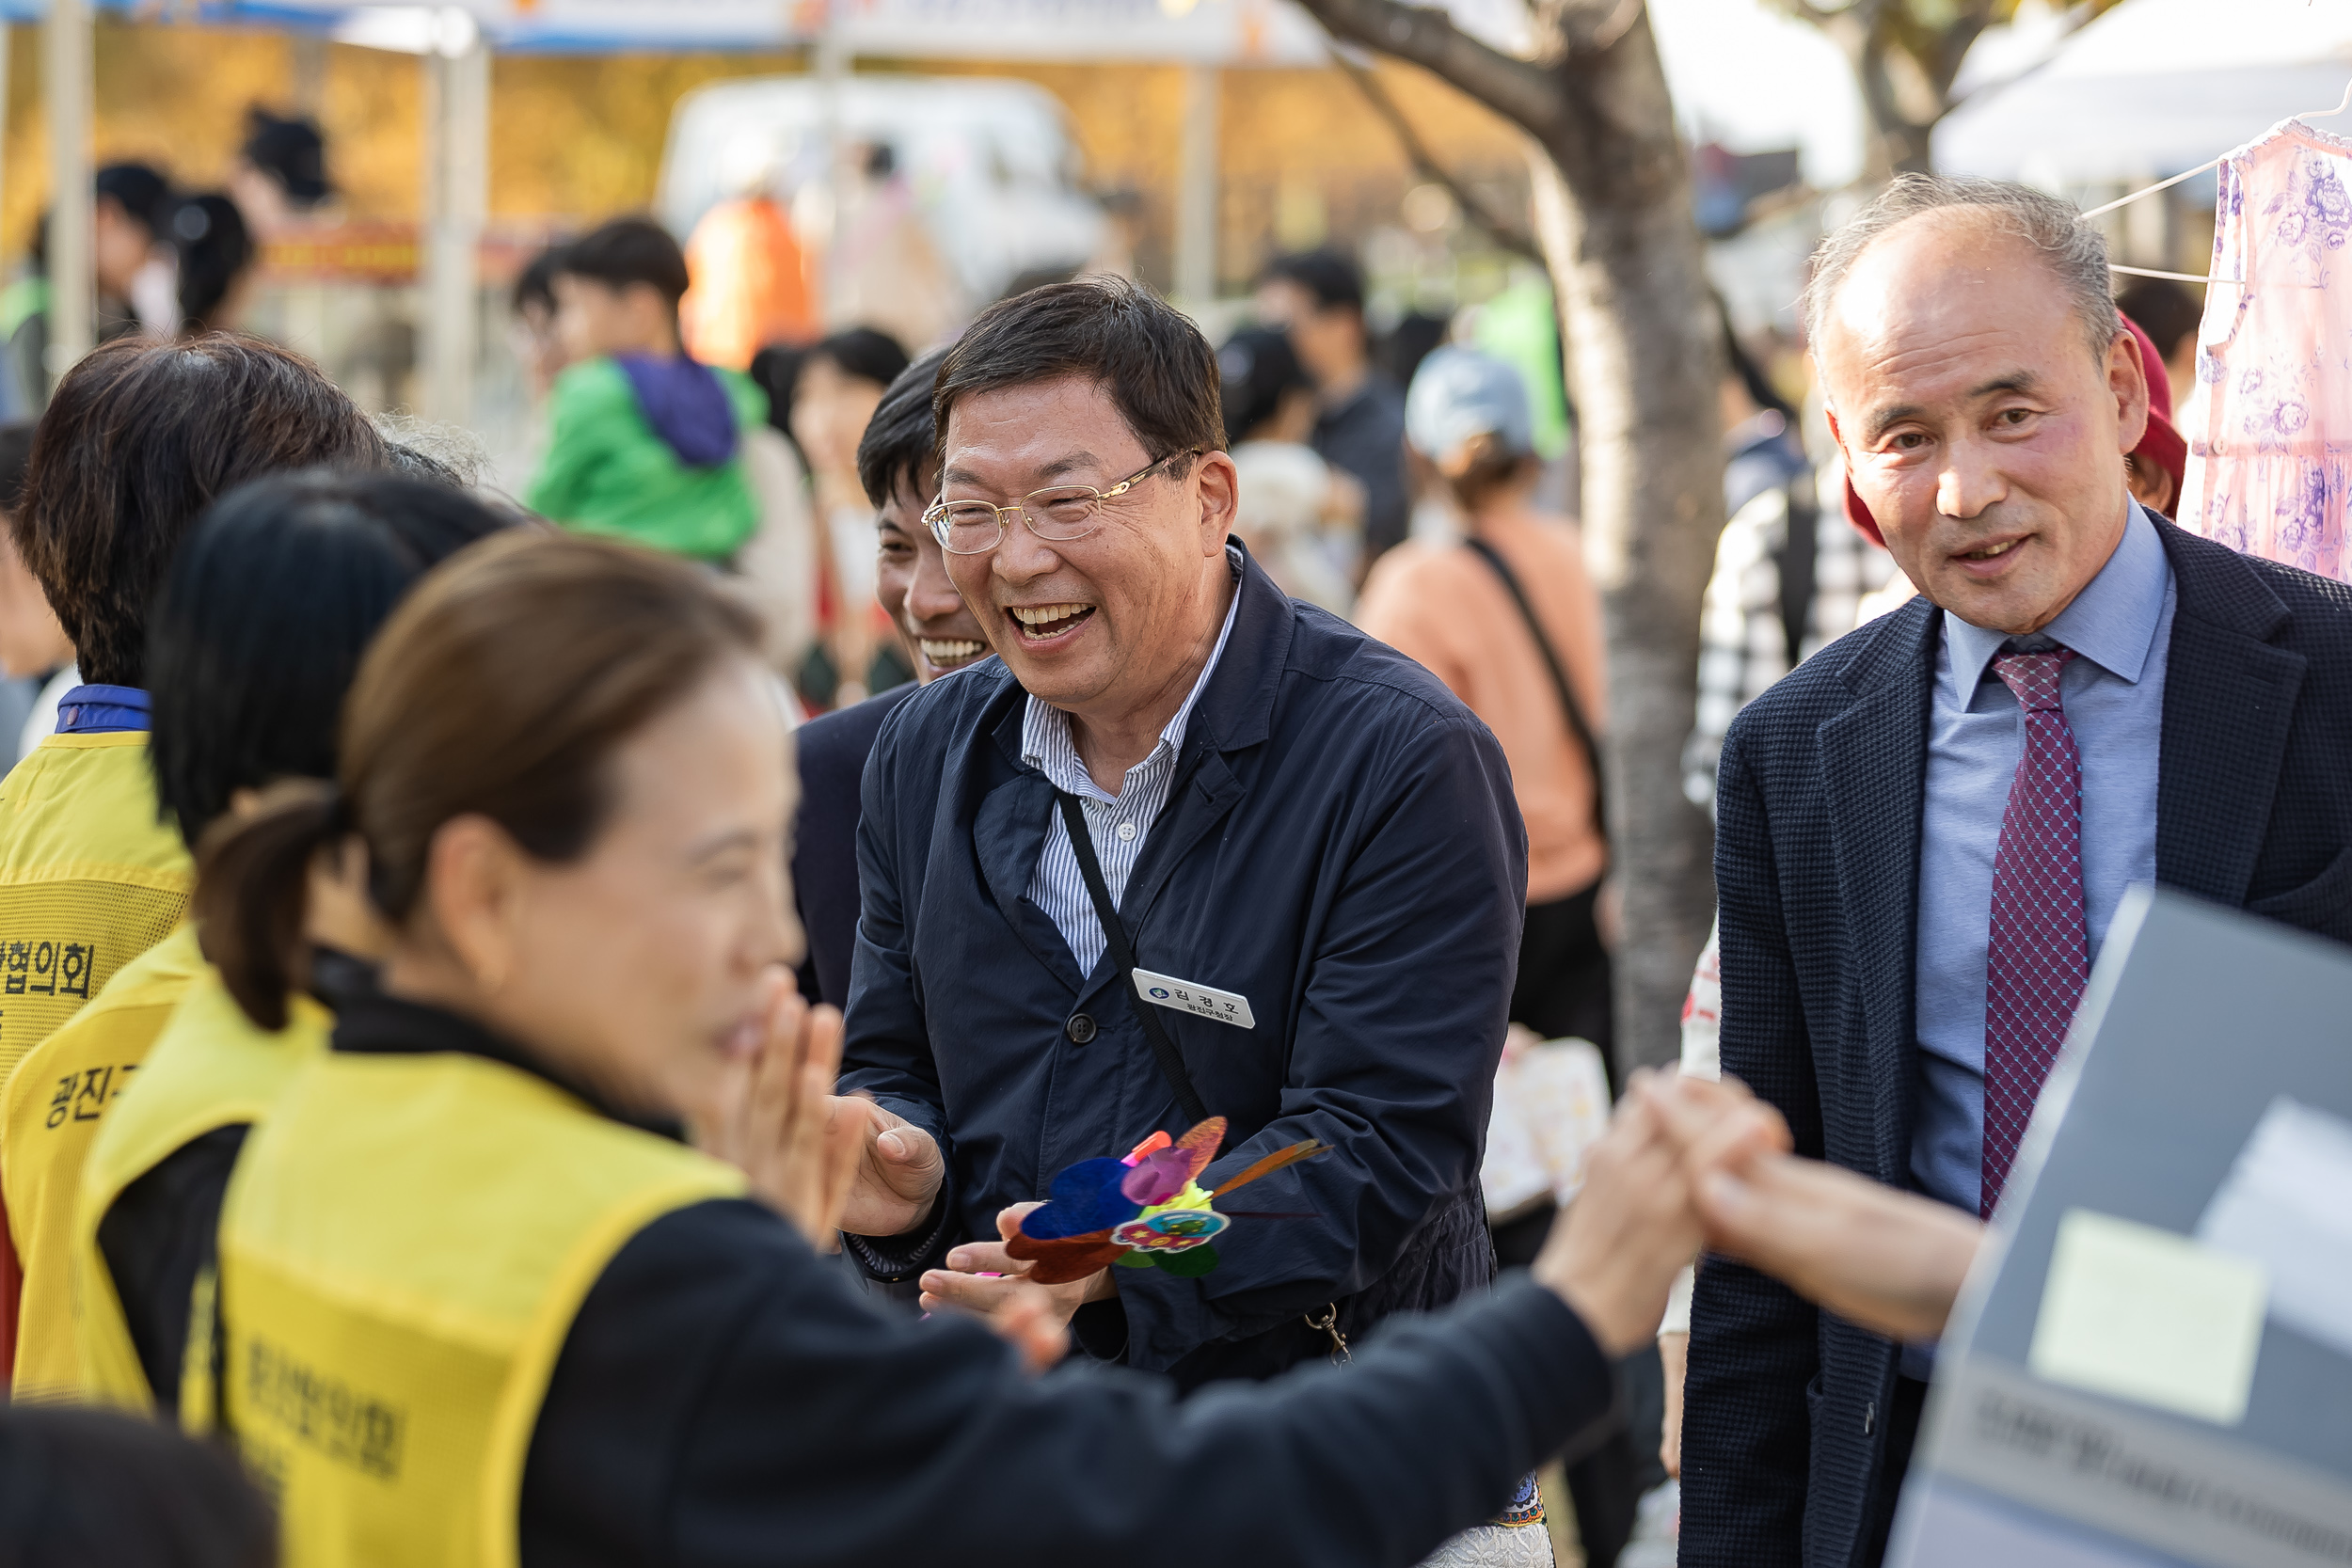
x=1220, y=498
x=2127, y=379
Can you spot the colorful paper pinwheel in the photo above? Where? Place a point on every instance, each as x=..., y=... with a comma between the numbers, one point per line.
x=1142, y=1212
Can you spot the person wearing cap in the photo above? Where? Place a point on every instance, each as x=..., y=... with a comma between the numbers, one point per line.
x=2154, y=470
x=1453, y=606
x=1506, y=616
x=1924, y=831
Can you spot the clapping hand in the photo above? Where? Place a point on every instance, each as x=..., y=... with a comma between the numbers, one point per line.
x=779, y=1123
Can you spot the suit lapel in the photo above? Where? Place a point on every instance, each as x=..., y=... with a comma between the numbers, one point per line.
x=1874, y=768
x=2228, y=701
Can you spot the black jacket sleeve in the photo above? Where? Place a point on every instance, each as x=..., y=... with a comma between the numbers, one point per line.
x=1754, y=1343
x=726, y=1396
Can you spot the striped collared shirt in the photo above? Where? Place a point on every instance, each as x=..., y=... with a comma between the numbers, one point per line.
x=1119, y=823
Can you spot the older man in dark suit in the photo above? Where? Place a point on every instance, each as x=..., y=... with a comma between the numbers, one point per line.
x=1925, y=829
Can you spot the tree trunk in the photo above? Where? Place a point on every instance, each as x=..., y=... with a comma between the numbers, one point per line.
x=1615, y=222
x=1617, y=226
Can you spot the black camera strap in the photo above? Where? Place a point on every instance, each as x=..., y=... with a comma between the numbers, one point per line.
x=1578, y=729
x=1123, y=955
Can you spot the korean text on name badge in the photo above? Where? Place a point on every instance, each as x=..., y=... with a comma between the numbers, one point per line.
x=1187, y=996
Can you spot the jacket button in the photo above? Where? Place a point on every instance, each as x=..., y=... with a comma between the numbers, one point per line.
x=1080, y=1028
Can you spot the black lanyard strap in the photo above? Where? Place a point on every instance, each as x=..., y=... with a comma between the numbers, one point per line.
x=1578, y=728
x=1124, y=954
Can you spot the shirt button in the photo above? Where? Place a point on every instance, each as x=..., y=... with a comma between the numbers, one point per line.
x=1080, y=1028
x=1126, y=833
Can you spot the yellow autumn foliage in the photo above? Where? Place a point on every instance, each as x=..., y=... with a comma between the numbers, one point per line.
x=577, y=138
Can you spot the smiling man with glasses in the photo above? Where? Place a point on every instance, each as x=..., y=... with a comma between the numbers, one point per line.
x=1310, y=847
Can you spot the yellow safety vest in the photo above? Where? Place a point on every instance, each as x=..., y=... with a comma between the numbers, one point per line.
x=212, y=1067
x=89, y=878
x=404, y=1243
x=49, y=1112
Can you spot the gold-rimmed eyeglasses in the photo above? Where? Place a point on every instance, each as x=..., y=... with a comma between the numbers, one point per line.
x=1060, y=513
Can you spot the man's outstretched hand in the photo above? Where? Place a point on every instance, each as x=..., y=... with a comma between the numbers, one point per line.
x=899, y=1176
x=984, y=1277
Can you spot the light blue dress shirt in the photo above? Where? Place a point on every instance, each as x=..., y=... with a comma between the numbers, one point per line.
x=2121, y=625
x=2113, y=694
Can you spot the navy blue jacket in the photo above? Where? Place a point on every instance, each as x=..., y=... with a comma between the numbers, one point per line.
x=1341, y=845
x=831, y=751
x=1820, y=800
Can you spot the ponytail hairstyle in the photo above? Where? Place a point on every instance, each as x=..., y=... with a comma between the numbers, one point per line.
x=1480, y=467
x=499, y=687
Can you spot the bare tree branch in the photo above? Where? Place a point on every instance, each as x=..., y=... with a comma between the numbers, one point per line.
x=1505, y=234
x=1520, y=90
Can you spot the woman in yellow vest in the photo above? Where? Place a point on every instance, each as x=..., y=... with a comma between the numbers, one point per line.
x=476, y=1309
x=253, y=639
x=139, y=439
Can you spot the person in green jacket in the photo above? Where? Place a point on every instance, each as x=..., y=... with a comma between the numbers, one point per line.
x=645, y=443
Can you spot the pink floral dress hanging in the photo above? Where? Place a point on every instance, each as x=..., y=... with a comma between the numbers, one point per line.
x=2269, y=424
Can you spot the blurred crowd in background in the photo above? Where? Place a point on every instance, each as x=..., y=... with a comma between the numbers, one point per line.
x=704, y=388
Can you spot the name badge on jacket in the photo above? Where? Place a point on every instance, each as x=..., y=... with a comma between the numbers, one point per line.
x=1201, y=1001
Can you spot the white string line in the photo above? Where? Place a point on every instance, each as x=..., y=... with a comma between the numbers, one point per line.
x=2161, y=184
x=2176, y=277
x=2343, y=103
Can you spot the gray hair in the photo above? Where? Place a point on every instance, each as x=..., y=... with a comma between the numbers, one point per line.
x=443, y=454
x=2075, y=251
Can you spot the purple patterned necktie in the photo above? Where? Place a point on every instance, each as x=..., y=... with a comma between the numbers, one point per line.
x=2038, y=955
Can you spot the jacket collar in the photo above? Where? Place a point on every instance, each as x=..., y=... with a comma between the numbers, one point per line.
x=1233, y=713
x=1235, y=710
x=2112, y=621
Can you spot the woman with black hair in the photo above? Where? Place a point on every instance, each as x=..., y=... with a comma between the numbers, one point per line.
x=208, y=233
x=253, y=641
x=839, y=384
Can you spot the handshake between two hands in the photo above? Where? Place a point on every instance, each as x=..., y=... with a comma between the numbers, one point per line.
x=827, y=1162
x=1687, y=1163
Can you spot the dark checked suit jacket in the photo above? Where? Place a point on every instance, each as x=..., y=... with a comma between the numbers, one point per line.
x=1817, y=863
